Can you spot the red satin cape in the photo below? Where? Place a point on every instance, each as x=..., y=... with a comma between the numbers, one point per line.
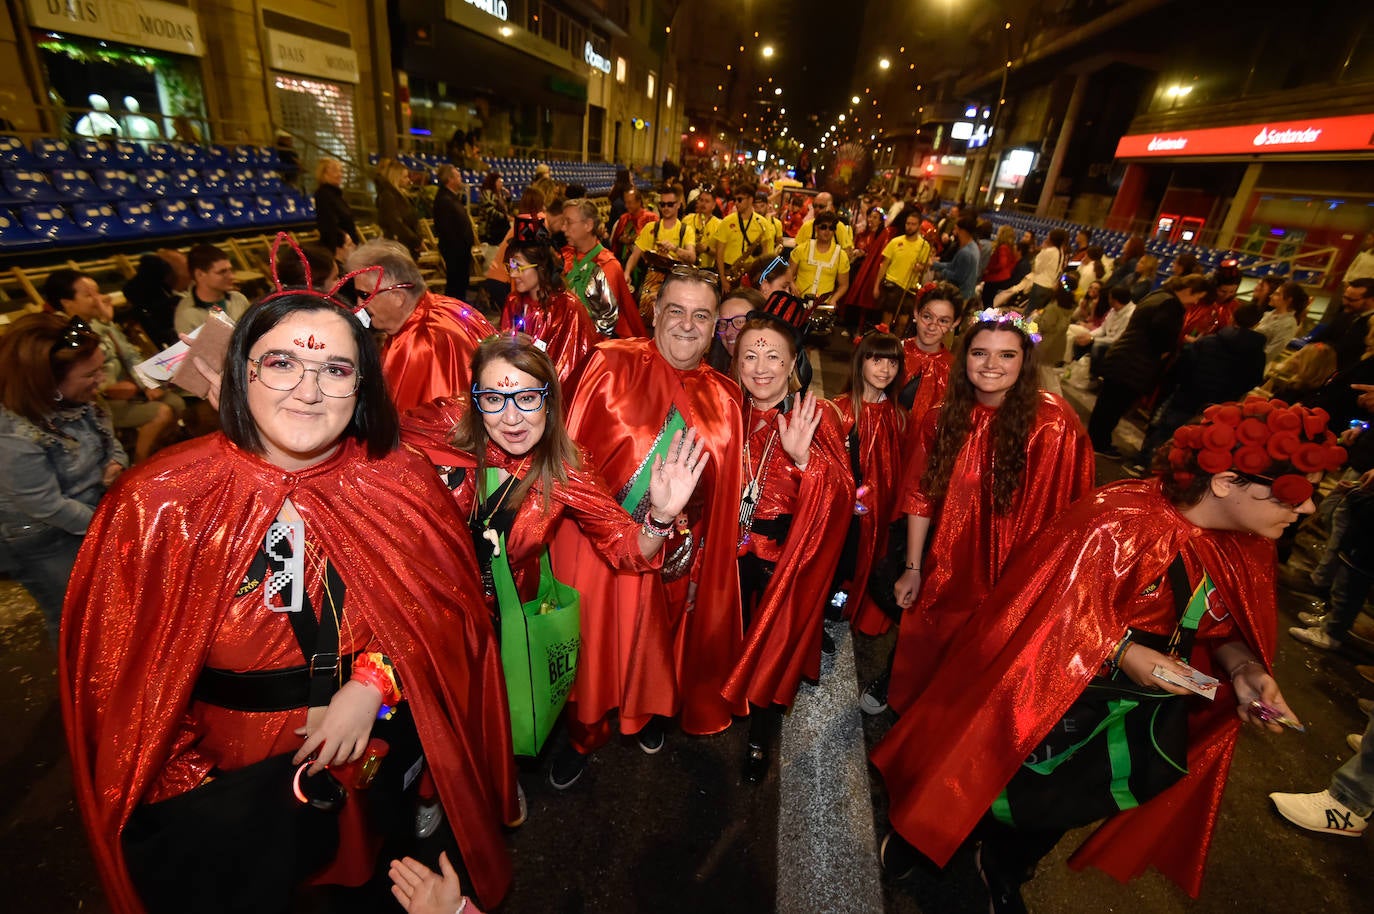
x=783, y=642
x=643, y=651
x=860, y=294
x=968, y=543
x=164, y=556
x=933, y=369
x=561, y=323
x=1062, y=605
x=881, y=427
x=431, y=355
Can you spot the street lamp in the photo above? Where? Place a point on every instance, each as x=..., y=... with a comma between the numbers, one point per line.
x=767, y=50
x=854, y=99
x=884, y=64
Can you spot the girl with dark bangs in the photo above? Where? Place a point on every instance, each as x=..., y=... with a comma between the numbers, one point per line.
x=873, y=423
x=994, y=464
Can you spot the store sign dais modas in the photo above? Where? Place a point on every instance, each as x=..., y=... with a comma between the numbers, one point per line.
x=1324, y=134
x=298, y=54
x=143, y=23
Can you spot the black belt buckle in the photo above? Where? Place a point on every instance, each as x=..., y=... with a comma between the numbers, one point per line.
x=317, y=667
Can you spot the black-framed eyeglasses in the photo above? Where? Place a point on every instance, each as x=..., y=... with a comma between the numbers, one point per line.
x=735, y=323
x=368, y=297
x=284, y=371
x=78, y=334
x=696, y=274
x=527, y=399
x=1269, y=481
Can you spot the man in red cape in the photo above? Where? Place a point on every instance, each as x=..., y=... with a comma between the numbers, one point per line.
x=594, y=275
x=162, y=561
x=653, y=645
x=430, y=339
x=1063, y=606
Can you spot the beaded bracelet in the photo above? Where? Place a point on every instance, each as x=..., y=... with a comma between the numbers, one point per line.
x=1114, y=662
x=657, y=532
x=665, y=526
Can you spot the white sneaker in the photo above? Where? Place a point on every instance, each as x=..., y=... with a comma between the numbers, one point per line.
x=1354, y=740
x=1319, y=812
x=1307, y=618
x=427, y=818
x=1366, y=705
x=1316, y=637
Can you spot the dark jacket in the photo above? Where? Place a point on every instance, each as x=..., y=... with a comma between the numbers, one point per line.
x=397, y=217
x=333, y=217
x=1345, y=333
x=1138, y=357
x=1219, y=367
x=452, y=228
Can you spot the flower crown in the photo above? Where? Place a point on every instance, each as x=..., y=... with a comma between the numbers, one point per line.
x=332, y=296
x=1264, y=439
x=1014, y=318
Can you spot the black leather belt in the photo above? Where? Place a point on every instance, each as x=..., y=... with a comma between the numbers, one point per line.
x=267, y=690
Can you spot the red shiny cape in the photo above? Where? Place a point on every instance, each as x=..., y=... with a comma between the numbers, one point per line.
x=164, y=556
x=783, y=642
x=881, y=427
x=562, y=323
x=933, y=369
x=642, y=651
x=968, y=544
x=860, y=294
x=584, y=498
x=1062, y=605
x=431, y=355
x=627, y=325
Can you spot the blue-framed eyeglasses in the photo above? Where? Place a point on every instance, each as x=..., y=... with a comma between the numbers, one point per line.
x=526, y=399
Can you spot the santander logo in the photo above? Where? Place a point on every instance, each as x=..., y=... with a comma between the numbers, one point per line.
x=1267, y=137
x=1167, y=142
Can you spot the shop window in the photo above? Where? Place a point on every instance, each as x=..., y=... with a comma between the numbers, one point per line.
x=620, y=67
x=323, y=113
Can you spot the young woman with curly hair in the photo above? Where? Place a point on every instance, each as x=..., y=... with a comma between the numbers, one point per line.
x=994, y=464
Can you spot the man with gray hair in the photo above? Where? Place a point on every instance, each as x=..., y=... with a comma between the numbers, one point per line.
x=430, y=338
x=453, y=230
x=594, y=275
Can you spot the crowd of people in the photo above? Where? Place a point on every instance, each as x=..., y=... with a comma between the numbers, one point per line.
x=337, y=588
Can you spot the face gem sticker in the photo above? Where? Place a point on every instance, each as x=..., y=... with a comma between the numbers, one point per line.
x=509, y=383
x=310, y=343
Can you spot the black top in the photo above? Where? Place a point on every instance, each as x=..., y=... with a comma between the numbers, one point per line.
x=334, y=218
x=1137, y=358
x=452, y=227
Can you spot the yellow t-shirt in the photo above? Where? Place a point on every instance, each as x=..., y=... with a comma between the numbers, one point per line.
x=906, y=260
x=843, y=234
x=733, y=230
x=645, y=241
x=817, y=272
x=704, y=228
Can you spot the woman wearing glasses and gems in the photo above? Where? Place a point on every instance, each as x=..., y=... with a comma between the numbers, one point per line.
x=58, y=448
x=541, y=306
x=993, y=465
x=734, y=310
x=926, y=360
x=1092, y=597
x=272, y=609
x=797, y=499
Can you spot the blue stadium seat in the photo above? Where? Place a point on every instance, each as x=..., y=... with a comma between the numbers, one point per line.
x=131, y=153
x=51, y=222
x=100, y=219
x=267, y=157
x=173, y=217
x=188, y=155
x=214, y=181
x=241, y=181
x=14, y=236
x=243, y=156
x=211, y=212
x=30, y=186
x=269, y=182
x=74, y=184
x=14, y=154
x=95, y=154
x=155, y=182
x=137, y=216
x=218, y=156
x=183, y=182
x=119, y=184
x=237, y=212
x=53, y=153
x=161, y=155
x=267, y=209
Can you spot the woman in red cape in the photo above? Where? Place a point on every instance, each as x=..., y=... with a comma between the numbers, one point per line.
x=871, y=240
x=993, y=465
x=797, y=502
x=169, y=583
x=872, y=427
x=541, y=306
x=1062, y=609
x=926, y=359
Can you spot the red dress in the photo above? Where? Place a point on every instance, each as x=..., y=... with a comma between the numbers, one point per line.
x=560, y=322
x=152, y=600
x=968, y=543
x=584, y=498
x=783, y=642
x=431, y=355
x=860, y=294
x=880, y=463
x=656, y=656
x=1062, y=605
x=933, y=370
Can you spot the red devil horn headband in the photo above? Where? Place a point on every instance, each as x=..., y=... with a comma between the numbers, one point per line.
x=332, y=295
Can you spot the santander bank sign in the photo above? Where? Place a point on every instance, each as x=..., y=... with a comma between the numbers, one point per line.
x=1330, y=134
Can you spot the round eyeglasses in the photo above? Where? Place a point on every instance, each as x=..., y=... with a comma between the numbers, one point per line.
x=526, y=399
x=283, y=371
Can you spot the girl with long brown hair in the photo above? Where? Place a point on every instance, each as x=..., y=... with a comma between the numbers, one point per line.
x=995, y=463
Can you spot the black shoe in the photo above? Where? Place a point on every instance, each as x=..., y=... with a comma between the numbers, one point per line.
x=755, y=764
x=827, y=643
x=897, y=858
x=1109, y=452
x=1003, y=897
x=567, y=767
x=651, y=738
